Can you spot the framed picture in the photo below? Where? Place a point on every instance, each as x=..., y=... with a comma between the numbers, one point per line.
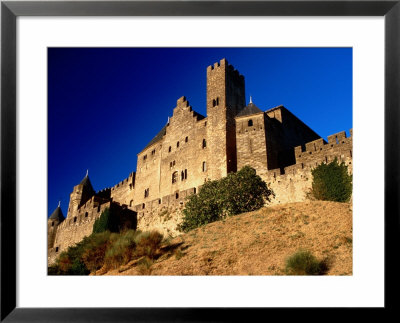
x=27, y=45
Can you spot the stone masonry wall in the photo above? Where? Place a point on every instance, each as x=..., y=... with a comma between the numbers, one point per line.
x=296, y=182
x=183, y=151
x=180, y=154
x=73, y=229
x=251, y=142
x=123, y=192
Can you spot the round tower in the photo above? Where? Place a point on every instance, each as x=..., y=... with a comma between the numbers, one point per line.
x=52, y=224
x=80, y=194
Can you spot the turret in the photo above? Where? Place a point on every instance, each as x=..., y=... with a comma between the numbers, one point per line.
x=52, y=224
x=80, y=195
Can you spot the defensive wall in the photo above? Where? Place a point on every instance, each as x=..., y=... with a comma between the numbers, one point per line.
x=73, y=229
x=295, y=181
x=191, y=149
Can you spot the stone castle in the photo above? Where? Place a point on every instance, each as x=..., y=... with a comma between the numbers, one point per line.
x=191, y=149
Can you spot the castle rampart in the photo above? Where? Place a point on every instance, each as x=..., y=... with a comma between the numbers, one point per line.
x=124, y=191
x=191, y=149
x=293, y=184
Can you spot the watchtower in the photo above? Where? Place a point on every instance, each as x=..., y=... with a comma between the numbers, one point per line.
x=52, y=224
x=80, y=194
x=225, y=99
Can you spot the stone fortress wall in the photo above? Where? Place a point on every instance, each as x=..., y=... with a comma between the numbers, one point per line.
x=191, y=149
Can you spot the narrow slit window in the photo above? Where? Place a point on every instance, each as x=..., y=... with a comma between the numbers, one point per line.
x=204, y=166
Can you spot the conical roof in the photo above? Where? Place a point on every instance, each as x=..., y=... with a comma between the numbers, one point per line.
x=57, y=215
x=86, y=183
x=250, y=109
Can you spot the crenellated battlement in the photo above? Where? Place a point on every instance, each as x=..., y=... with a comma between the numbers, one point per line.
x=223, y=64
x=125, y=182
x=338, y=145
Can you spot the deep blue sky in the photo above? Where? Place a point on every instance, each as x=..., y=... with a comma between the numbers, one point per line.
x=105, y=105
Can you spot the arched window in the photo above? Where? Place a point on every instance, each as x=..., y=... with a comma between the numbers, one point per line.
x=169, y=149
x=74, y=219
x=143, y=206
x=130, y=203
x=86, y=214
x=177, y=144
x=176, y=195
x=52, y=224
x=182, y=175
x=250, y=123
x=204, y=166
x=204, y=143
x=174, y=177
x=186, y=139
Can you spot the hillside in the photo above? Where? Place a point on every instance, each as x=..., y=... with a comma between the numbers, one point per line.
x=257, y=243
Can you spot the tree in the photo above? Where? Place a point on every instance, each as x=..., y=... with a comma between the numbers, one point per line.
x=239, y=192
x=332, y=182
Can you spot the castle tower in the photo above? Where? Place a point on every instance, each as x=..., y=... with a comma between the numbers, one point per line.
x=52, y=224
x=80, y=194
x=225, y=99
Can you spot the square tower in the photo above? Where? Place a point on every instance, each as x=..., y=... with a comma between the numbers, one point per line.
x=225, y=99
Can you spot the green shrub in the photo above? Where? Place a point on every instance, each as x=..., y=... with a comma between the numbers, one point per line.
x=144, y=266
x=78, y=268
x=331, y=182
x=239, y=192
x=95, y=249
x=107, y=249
x=148, y=244
x=70, y=261
x=303, y=262
x=120, y=250
x=103, y=223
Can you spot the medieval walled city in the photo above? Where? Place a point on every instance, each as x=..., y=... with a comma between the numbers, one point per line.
x=191, y=149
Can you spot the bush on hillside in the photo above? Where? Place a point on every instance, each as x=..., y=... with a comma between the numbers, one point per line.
x=121, y=248
x=109, y=249
x=70, y=261
x=148, y=244
x=303, y=262
x=95, y=249
x=239, y=192
x=331, y=182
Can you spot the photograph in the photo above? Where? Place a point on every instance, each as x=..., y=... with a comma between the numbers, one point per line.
x=185, y=161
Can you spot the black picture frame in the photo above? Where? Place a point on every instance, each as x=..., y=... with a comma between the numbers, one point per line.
x=10, y=10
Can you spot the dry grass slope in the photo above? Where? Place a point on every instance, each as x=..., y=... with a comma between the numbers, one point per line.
x=258, y=243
